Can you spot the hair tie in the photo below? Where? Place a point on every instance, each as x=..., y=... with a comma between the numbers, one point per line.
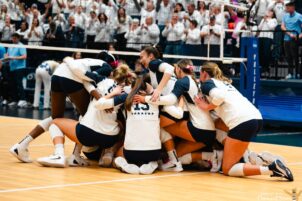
x=190, y=67
x=114, y=64
x=129, y=75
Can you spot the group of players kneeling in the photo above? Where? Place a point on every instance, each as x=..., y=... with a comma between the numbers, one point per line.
x=157, y=118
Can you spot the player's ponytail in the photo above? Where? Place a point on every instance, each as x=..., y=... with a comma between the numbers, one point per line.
x=214, y=71
x=139, y=84
x=123, y=74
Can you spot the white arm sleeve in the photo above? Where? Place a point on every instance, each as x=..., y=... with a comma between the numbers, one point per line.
x=103, y=103
x=174, y=111
x=217, y=96
x=88, y=86
x=163, y=100
x=166, y=68
x=76, y=69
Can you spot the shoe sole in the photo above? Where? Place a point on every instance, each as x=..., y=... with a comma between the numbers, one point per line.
x=12, y=151
x=47, y=164
x=289, y=176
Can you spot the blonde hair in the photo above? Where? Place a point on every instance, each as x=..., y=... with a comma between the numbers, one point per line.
x=123, y=74
x=215, y=72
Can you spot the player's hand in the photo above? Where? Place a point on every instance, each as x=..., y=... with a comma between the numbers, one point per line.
x=138, y=99
x=155, y=95
x=118, y=90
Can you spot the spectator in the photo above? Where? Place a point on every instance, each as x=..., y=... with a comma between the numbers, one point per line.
x=91, y=29
x=17, y=63
x=133, y=36
x=54, y=35
x=77, y=55
x=179, y=9
x=268, y=23
x=212, y=34
x=193, y=35
x=75, y=34
x=7, y=30
x=104, y=32
x=35, y=34
x=173, y=31
x=23, y=32
x=260, y=9
x=164, y=13
x=204, y=13
x=291, y=24
x=192, y=14
x=149, y=32
x=15, y=8
x=43, y=75
x=121, y=26
x=80, y=18
x=61, y=21
x=148, y=12
x=279, y=8
x=57, y=6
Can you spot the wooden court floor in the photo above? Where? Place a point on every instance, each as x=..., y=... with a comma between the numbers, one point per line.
x=19, y=181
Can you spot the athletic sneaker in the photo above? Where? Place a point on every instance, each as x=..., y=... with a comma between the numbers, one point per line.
x=280, y=170
x=106, y=158
x=170, y=166
x=52, y=161
x=148, y=168
x=22, y=103
x=77, y=161
x=263, y=158
x=216, y=160
x=12, y=104
x=20, y=153
x=122, y=164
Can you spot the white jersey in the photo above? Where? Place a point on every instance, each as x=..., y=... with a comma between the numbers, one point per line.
x=232, y=107
x=99, y=120
x=157, y=70
x=64, y=71
x=80, y=67
x=142, y=128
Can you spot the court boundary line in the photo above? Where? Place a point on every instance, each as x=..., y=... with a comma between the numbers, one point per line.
x=279, y=133
x=96, y=182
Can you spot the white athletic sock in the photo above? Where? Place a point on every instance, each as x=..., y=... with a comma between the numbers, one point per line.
x=206, y=156
x=186, y=159
x=59, y=149
x=172, y=155
x=26, y=140
x=265, y=171
x=45, y=123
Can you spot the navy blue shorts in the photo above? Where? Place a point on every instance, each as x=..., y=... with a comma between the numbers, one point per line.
x=141, y=157
x=246, y=130
x=94, y=155
x=185, y=116
x=65, y=85
x=90, y=138
x=200, y=135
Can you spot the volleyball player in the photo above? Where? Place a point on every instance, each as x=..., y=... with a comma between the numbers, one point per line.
x=96, y=128
x=163, y=80
x=65, y=83
x=241, y=117
x=43, y=74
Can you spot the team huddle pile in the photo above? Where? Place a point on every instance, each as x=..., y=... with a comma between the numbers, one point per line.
x=126, y=118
